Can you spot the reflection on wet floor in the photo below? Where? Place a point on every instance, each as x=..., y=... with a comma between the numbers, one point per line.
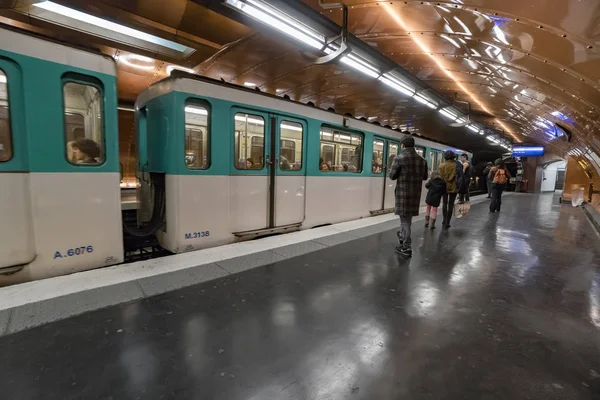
x=501, y=306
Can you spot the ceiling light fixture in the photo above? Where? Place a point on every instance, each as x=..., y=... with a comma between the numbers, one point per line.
x=81, y=21
x=283, y=23
x=446, y=113
x=395, y=84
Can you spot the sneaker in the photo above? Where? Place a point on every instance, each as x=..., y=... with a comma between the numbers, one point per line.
x=404, y=251
x=400, y=238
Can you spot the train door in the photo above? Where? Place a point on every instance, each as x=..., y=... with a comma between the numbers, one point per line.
x=382, y=192
x=389, y=197
x=287, y=174
x=267, y=181
x=16, y=231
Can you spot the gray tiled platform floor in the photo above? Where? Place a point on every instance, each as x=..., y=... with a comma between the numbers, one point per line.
x=501, y=306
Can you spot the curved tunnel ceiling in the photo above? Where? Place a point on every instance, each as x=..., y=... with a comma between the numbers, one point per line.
x=527, y=64
x=523, y=65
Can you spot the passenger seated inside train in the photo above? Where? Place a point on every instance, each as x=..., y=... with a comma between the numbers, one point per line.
x=323, y=166
x=249, y=163
x=84, y=151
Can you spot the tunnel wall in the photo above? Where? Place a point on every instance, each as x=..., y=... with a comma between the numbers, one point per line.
x=576, y=177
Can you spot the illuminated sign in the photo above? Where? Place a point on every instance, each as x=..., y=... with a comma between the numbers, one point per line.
x=527, y=151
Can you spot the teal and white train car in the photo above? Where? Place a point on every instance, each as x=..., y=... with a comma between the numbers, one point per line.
x=238, y=163
x=60, y=209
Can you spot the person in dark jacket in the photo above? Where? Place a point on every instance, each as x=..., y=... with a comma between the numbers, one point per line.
x=409, y=170
x=488, y=181
x=436, y=189
x=450, y=171
x=467, y=175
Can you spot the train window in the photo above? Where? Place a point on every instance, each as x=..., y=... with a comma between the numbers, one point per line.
x=440, y=158
x=5, y=134
x=431, y=161
x=249, y=141
x=290, y=145
x=84, y=123
x=420, y=151
x=196, y=136
x=340, y=151
x=377, y=167
x=392, y=153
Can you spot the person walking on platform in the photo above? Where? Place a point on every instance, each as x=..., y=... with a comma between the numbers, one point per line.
x=488, y=182
x=451, y=172
x=436, y=189
x=409, y=170
x=499, y=176
x=467, y=172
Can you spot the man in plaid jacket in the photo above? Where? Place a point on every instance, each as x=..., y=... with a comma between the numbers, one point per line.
x=409, y=170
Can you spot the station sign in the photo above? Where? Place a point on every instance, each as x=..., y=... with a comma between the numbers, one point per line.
x=527, y=151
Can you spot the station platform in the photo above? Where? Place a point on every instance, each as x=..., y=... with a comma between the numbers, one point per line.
x=500, y=306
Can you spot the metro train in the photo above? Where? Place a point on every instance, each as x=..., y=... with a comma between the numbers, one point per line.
x=217, y=162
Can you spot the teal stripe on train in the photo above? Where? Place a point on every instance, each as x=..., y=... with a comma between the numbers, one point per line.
x=37, y=120
x=164, y=123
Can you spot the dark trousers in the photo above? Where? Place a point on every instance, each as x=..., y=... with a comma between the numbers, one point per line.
x=464, y=192
x=496, y=197
x=448, y=207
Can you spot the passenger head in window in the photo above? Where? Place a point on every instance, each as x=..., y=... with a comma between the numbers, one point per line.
x=322, y=165
x=85, y=151
x=249, y=163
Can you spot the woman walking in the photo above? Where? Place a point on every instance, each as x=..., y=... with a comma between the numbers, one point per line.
x=436, y=189
x=499, y=177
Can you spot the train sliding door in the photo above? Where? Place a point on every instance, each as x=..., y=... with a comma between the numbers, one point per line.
x=382, y=194
x=267, y=182
x=389, y=196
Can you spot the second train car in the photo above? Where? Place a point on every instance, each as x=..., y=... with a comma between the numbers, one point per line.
x=238, y=163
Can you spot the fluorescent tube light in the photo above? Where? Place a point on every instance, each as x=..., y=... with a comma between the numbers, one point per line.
x=279, y=21
x=370, y=71
x=106, y=25
x=448, y=114
x=2, y=79
x=473, y=128
x=396, y=86
x=423, y=100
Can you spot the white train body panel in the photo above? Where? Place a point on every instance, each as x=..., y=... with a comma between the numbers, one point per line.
x=16, y=232
x=70, y=213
